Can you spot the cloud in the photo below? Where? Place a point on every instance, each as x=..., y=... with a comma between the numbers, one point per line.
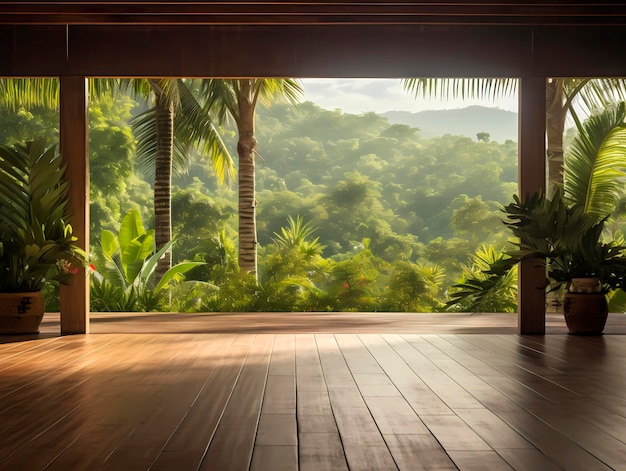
x=381, y=95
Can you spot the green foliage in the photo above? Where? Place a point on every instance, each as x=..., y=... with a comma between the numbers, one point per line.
x=36, y=244
x=128, y=260
x=298, y=235
x=28, y=124
x=196, y=219
x=115, y=186
x=414, y=288
x=489, y=284
x=596, y=162
x=568, y=237
x=356, y=284
x=194, y=130
x=356, y=177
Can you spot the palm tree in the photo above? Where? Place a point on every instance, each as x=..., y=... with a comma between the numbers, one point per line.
x=237, y=99
x=165, y=134
x=561, y=97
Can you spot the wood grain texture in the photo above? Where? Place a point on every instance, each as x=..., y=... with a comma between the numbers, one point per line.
x=74, y=147
x=313, y=401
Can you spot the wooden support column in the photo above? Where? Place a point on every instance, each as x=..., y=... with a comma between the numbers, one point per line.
x=74, y=150
x=532, y=178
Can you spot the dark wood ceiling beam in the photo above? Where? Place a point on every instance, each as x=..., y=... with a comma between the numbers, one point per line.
x=294, y=12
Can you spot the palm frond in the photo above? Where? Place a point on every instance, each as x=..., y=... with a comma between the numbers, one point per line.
x=272, y=89
x=480, y=88
x=299, y=235
x=594, y=94
x=29, y=92
x=144, y=130
x=195, y=127
x=596, y=161
x=220, y=99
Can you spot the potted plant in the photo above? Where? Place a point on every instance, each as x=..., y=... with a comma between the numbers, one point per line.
x=36, y=242
x=568, y=241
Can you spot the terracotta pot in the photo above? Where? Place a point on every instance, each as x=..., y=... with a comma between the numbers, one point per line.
x=585, y=313
x=21, y=313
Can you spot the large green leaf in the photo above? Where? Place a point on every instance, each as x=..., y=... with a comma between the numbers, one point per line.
x=174, y=272
x=109, y=243
x=130, y=229
x=151, y=262
x=135, y=254
x=596, y=161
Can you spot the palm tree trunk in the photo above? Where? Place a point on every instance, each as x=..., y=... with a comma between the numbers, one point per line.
x=163, y=180
x=247, y=200
x=555, y=127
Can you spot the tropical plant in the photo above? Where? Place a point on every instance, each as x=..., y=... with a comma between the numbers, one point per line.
x=292, y=270
x=566, y=238
x=124, y=277
x=166, y=133
x=562, y=97
x=299, y=235
x=489, y=284
x=413, y=287
x=595, y=170
x=36, y=242
x=237, y=100
x=565, y=232
x=160, y=136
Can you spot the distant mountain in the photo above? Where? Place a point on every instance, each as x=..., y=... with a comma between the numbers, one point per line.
x=500, y=124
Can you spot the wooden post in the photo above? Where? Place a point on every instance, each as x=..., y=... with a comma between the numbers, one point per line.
x=74, y=150
x=532, y=178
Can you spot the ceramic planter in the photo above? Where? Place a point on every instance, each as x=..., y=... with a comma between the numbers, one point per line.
x=586, y=309
x=21, y=313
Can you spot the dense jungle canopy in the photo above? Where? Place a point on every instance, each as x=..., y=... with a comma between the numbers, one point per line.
x=387, y=218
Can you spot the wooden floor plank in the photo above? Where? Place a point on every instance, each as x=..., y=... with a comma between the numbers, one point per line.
x=437, y=380
x=421, y=398
x=283, y=361
x=509, y=405
x=274, y=458
x=185, y=396
x=394, y=416
x=308, y=367
x=356, y=355
x=454, y=434
x=363, y=445
x=232, y=445
x=492, y=429
x=599, y=443
x=273, y=397
x=418, y=452
x=565, y=453
x=321, y=452
x=479, y=460
x=527, y=459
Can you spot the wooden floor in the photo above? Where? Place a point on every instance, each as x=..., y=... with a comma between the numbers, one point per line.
x=269, y=399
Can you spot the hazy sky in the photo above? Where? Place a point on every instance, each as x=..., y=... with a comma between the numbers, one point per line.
x=380, y=95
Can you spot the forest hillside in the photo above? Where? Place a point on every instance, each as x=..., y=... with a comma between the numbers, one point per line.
x=501, y=125
x=385, y=204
